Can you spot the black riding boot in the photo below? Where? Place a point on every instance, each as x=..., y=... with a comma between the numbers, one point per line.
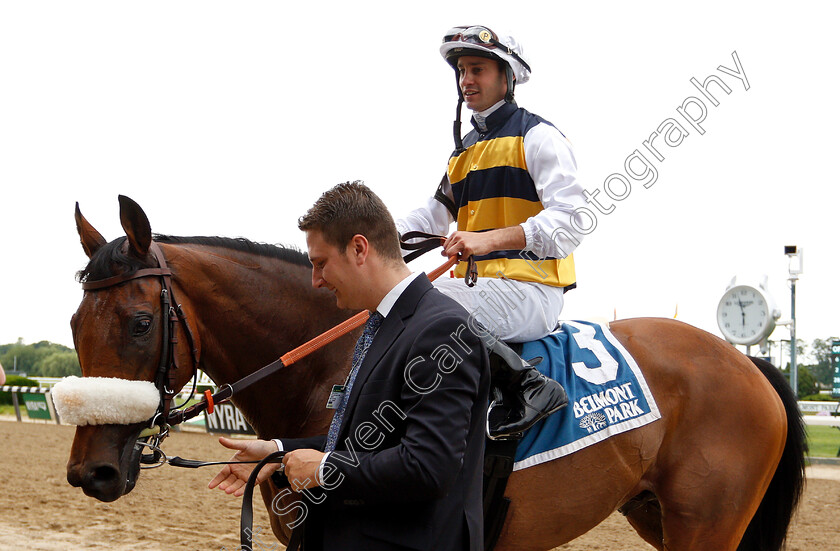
x=531, y=396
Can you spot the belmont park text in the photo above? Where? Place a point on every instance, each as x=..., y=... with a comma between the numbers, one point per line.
x=619, y=403
x=639, y=166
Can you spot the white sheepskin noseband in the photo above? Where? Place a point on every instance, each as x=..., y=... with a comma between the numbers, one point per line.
x=104, y=400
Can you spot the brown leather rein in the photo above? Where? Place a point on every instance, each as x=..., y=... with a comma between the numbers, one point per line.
x=172, y=314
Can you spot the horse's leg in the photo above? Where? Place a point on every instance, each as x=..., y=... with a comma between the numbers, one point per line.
x=709, y=499
x=557, y=501
x=725, y=434
x=646, y=519
x=276, y=506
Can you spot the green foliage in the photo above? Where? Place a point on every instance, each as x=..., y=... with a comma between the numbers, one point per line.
x=15, y=380
x=821, y=352
x=36, y=360
x=61, y=364
x=806, y=384
x=820, y=398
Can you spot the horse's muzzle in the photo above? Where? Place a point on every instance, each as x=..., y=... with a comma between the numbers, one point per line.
x=102, y=470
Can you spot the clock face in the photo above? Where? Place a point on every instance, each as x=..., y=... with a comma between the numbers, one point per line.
x=744, y=316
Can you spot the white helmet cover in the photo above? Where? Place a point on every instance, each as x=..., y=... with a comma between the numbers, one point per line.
x=459, y=41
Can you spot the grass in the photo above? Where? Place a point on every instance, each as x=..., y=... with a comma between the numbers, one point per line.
x=823, y=441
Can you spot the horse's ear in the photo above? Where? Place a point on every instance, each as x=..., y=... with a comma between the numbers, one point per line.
x=136, y=226
x=91, y=239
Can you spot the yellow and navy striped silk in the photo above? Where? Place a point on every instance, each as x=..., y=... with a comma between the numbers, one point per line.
x=500, y=152
x=492, y=189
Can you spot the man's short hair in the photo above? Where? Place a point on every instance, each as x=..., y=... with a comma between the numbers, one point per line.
x=352, y=208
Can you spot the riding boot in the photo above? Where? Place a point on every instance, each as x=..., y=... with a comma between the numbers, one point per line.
x=532, y=395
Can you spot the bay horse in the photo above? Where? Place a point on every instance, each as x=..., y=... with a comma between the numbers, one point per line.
x=722, y=469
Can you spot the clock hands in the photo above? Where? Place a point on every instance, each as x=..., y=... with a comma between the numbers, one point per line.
x=743, y=314
x=756, y=311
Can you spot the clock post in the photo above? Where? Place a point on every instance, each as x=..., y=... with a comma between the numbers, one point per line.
x=794, y=255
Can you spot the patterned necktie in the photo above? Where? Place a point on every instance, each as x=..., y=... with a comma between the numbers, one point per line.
x=362, y=345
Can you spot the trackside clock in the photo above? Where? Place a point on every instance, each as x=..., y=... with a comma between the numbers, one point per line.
x=746, y=314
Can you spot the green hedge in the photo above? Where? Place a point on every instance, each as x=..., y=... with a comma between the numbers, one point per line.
x=820, y=398
x=15, y=380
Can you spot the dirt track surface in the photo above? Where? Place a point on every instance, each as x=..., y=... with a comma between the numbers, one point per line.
x=172, y=508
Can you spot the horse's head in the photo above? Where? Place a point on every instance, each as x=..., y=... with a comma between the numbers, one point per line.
x=122, y=330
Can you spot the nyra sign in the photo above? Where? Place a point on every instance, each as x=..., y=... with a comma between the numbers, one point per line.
x=227, y=419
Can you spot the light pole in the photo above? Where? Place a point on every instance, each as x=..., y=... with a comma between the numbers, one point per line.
x=794, y=255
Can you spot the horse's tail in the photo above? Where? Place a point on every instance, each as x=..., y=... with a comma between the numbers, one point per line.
x=768, y=528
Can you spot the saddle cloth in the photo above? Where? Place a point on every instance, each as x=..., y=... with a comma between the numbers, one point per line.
x=607, y=392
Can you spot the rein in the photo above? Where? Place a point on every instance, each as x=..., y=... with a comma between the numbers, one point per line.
x=225, y=392
x=431, y=241
x=172, y=313
x=166, y=416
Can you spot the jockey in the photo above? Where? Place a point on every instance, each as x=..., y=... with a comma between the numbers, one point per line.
x=511, y=187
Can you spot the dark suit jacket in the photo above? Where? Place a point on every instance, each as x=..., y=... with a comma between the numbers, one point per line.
x=407, y=470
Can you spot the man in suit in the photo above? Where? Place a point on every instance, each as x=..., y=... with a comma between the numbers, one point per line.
x=401, y=467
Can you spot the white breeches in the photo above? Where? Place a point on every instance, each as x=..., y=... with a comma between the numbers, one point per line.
x=514, y=311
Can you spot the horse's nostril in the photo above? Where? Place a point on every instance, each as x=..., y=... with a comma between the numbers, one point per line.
x=104, y=474
x=98, y=478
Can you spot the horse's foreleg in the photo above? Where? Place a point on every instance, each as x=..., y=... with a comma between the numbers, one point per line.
x=276, y=505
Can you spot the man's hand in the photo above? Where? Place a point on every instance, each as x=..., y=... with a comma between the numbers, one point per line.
x=232, y=478
x=301, y=468
x=466, y=243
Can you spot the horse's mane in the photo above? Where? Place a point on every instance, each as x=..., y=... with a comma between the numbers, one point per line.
x=111, y=260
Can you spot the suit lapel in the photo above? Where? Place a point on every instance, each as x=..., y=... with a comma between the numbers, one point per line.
x=388, y=333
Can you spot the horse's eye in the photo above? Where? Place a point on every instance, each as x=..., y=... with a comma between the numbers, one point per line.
x=141, y=326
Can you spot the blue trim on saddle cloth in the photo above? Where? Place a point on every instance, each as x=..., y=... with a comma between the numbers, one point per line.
x=606, y=396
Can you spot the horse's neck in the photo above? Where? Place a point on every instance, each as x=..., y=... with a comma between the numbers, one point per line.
x=249, y=310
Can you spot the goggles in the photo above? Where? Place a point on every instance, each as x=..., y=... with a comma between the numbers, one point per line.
x=480, y=36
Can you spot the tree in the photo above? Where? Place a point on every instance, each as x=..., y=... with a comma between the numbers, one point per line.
x=805, y=382
x=29, y=358
x=60, y=364
x=822, y=369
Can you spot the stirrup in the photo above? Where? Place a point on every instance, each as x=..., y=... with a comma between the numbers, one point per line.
x=498, y=400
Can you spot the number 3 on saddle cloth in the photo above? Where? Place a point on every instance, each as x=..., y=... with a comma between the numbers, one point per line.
x=607, y=393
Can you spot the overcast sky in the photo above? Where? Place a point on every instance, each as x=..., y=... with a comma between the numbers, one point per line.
x=230, y=118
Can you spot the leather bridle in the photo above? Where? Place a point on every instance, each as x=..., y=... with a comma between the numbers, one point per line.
x=172, y=315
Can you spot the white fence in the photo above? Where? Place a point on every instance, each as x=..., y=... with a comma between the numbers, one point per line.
x=819, y=407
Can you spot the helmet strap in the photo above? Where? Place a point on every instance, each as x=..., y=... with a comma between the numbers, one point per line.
x=511, y=83
x=456, y=126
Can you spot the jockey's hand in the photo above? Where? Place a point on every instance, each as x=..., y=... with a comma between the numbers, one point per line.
x=466, y=243
x=232, y=478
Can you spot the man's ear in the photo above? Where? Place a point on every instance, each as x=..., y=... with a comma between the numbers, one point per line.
x=360, y=247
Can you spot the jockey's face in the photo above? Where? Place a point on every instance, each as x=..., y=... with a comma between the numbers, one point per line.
x=482, y=83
